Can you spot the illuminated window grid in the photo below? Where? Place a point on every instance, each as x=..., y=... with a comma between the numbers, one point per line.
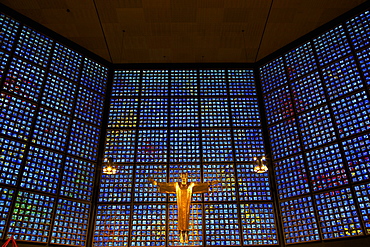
x=337, y=214
x=120, y=145
x=213, y=83
x=331, y=45
x=9, y=28
x=117, y=187
x=326, y=168
x=195, y=226
x=357, y=153
x=78, y=179
x=352, y=114
x=245, y=112
x=341, y=78
x=221, y=224
x=248, y=144
x=214, y=112
x=299, y=221
x=363, y=198
x=155, y=83
x=11, y=156
x=51, y=129
x=278, y=105
x=153, y=112
x=291, y=177
x=241, y=83
x=66, y=62
x=94, y=75
x=59, y=94
x=4, y=58
x=34, y=47
x=144, y=190
x=71, y=223
x=89, y=106
x=6, y=199
x=148, y=225
x=363, y=58
x=112, y=225
x=42, y=170
x=16, y=116
x=31, y=217
x=24, y=79
x=359, y=28
x=152, y=145
x=184, y=146
x=300, y=61
x=284, y=139
x=252, y=186
x=123, y=113
x=184, y=83
x=273, y=75
x=308, y=92
x=258, y=223
x=126, y=83
x=184, y=112
x=224, y=190
x=194, y=175
x=216, y=145
x=84, y=140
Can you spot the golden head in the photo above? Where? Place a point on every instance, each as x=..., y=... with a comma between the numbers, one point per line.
x=184, y=178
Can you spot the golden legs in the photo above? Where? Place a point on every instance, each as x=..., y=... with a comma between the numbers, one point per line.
x=184, y=236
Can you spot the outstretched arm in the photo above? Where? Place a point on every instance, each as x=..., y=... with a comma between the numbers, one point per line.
x=203, y=187
x=164, y=187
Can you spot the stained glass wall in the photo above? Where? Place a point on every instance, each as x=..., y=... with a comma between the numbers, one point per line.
x=316, y=98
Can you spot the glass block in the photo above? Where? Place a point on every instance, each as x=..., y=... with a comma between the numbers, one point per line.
x=4, y=58
x=352, y=114
x=123, y=113
x=78, y=179
x=258, y=224
x=291, y=177
x=184, y=146
x=112, y=225
x=337, y=214
x=66, y=62
x=152, y=145
x=184, y=112
x=34, y=47
x=214, y=112
x=71, y=223
x=84, y=140
x=248, y=144
x=278, y=105
x=316, y=127
x=153, y=112
x=357, y=153
x=6, y=199
x=216, y=145
x=155, y=83
x=363, y=199
x=31, y=219
x=242, y=82
x=224, y=174
x=273, y=75
x=117, y=187
x=51, y=129
x=284, y=139
x=363, y=58
x=308, y=92
x=359, y=29
x=148, y=225
x=341, y=78
x=89, y=106
x=221, y=224
x=326, y=168
x=300, y=61
x=299, y=221
x=245, y=112
x=59, y=94
x=8, y=33
x=331, y=45
x=94, y=75
x=213, y=82
x=16, y=116
x=42, y=170
x=120, y=145
x=126, y=83
x=24, y=79
x=184, y=83
x=252, y=186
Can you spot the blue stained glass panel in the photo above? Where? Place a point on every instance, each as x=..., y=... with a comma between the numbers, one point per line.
x=152, y=145
x=123, y=113
x=214, y=112
x=184, y=112
x=184, y=146
x=6, y=199
x=153, y=112
x=278, y=105
x=363, y=198
x=94, y=75
x=184, y=83
x=4, y=58
x=241, y=83
x=248, y=144
x=155, y=83
x=66, y=62
x=359, y=29
x=245, y=112
x=273, y=75
x=300, y=61
x=120, y=145
x=213, y=83
x=126, y=83
x=8, y=33
x=363, y=58
x=89, y=106
x=216, y=145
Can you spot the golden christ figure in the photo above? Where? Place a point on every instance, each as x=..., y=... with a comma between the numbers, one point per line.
x=184, y=191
